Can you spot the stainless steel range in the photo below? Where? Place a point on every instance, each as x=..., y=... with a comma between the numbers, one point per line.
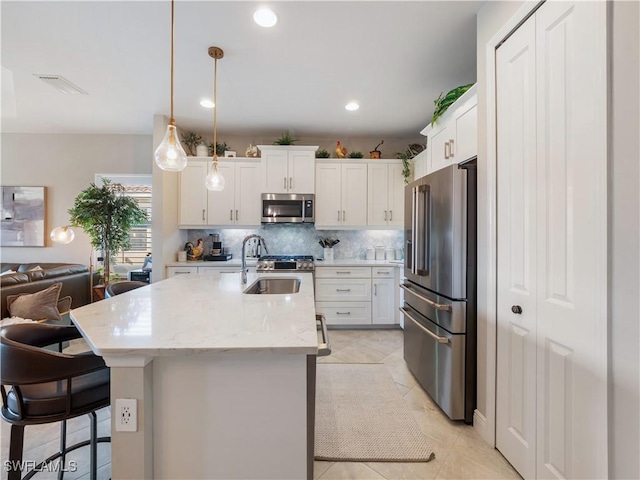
x=285, y=263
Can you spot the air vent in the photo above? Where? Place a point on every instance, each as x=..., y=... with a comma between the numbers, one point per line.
x=61, y=84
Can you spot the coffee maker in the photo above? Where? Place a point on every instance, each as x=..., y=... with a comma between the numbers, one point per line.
x=217, y=251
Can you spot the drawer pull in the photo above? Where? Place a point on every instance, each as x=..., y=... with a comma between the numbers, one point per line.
x=343, y=289
x=383, y=273
x=437, y=306
x=437, y=338
x=343, y=313
x=343, y=273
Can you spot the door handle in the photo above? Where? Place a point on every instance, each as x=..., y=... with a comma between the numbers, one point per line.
x=203, y=214
x=290, y=183
x=437, y=338
x=385, y=215
x=517, y=309
x=447, y=150
x=338, y=215
x=438, y=306
x=231, y=215
x=390, y=215
x=451, y=154
x=344, y=216
x=236, y=215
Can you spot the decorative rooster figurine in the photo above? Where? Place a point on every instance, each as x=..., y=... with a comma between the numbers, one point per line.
x=340, y=150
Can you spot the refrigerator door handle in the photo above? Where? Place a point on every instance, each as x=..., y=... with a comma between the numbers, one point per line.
x=437, y=338
x=421, y=241
x=438, y=306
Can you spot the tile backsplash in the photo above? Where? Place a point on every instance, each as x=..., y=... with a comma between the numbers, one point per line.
x=303, y=240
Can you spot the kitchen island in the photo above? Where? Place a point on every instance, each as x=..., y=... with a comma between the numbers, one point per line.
x=220, y=376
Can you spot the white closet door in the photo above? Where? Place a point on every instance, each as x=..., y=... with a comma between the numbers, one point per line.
x=516, y=363
x=571, y=228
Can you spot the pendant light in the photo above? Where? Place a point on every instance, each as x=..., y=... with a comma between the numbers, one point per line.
x=62, y=235
x=170, y=155
x=215, y=180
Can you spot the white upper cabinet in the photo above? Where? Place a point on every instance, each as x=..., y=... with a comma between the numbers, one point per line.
x=454, y=137
x=341, y=195
x=288, y=169
x=385, y=195
x=237, y=205
x=193, y=193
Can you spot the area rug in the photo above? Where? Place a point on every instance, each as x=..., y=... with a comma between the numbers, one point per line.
x=361, y=417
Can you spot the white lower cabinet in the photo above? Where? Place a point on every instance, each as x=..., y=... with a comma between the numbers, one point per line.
x=356, y=295
x=383, y=311
x=214, y=271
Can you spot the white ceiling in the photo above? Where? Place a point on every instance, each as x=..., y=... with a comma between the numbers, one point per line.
x=394, y=58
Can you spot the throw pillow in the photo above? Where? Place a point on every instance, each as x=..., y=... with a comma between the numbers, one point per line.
x=34, y=269
x=36, y=306
x=7, y=272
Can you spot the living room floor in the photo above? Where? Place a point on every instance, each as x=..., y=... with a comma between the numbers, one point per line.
x=460, y=452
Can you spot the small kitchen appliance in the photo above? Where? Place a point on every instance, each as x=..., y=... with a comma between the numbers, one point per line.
x=285, y=263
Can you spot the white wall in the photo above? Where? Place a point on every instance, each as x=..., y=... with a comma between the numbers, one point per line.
x=491, y=17
x=624, y=240
x=66, y=164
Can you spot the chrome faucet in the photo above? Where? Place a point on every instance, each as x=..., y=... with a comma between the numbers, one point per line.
x=245, y=269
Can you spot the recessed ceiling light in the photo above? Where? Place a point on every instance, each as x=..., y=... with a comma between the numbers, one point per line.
x=265, y=17
x=352, y=106
x=206, y=103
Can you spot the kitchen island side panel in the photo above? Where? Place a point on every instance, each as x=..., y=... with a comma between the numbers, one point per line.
x=230, y=416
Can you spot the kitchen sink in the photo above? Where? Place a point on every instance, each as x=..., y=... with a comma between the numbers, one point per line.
x=273, y=286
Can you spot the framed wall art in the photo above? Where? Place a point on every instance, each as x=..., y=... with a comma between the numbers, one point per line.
x=23, y=216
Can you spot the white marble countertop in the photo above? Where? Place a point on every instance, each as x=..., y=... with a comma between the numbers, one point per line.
x=190, y=314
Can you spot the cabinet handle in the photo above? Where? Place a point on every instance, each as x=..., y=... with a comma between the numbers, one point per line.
x=231, y=215
x=390, y=215
x=385, y=215
x=203, y=214
x=285, y=183
x=383, y=273
x=236, y=215
x=343, y=313
x=451, y=153
x=446, y=150
x=344, y=216
x=338, y=215
x=375, y=289
x=343, y=289
x=181, y=273
x=343, y=272
x=290, y=183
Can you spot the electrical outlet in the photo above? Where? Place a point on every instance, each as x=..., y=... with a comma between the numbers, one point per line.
x=126, y=415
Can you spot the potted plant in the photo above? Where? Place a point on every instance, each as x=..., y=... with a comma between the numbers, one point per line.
x=285, y=139
x=106, y=214
x=322, y=153
x=191, y=140
x=220, y=149
x=407, y=160
x=443, y=103
x=355, y=155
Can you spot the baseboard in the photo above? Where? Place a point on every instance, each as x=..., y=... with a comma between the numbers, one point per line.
x=480, y=424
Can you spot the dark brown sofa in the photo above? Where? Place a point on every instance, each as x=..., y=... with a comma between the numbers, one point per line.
x=74, y=279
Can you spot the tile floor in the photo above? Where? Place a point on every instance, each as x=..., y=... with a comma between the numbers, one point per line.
x=460, y=452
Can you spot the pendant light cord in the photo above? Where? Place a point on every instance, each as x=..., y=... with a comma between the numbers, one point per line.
x=215, y=114
x=172, y=120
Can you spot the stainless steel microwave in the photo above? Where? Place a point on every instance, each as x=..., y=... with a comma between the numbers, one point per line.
x=287, y=208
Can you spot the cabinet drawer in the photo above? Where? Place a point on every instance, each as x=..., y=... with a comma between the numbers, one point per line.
x=345, y=313
x=337, y=289
x=173, y=271
x=382, y=272
x=216, y=271
x=343, y=272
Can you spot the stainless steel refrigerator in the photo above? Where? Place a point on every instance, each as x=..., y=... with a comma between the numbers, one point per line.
x=440, y=287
